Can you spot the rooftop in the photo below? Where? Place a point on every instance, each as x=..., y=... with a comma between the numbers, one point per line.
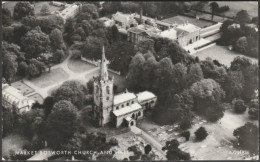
x=170, y=33
x=123, y=97
x=146, y=95
x=127, y=109
x=188, y=27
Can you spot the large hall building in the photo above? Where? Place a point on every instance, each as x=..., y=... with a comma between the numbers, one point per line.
x=122, y=109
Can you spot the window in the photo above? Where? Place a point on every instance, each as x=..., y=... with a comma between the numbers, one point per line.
x=107, y=88
x=117, y=107
x=127, y=104
x=132, y=102
x=122, y=105
x=107, y=98
x=152, y=102
x=139, y=113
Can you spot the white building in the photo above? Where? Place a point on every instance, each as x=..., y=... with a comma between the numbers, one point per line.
x=14, y=98
x=70, y=11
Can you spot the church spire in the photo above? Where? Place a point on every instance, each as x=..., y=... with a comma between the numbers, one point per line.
x=103, y=66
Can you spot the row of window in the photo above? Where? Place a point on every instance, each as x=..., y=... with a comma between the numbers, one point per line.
x=123, y=105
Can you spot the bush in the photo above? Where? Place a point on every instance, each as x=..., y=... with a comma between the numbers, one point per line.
x=183, y=155
x=186, y=134
x=147, y=149
x=254, y=109
x=247, y=137
x=238, y=105
x=201, y=133
x=76, y=54
x=113, y=142
x=185, y=124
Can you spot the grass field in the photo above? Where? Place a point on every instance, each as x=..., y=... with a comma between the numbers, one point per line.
x=79, y=66
x=180, y=19
x=222, y=54
x=51, y=78
x=236, y=6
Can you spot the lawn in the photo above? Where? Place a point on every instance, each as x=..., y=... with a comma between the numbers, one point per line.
x=25, y=89
x=180, y=19
x=217, y=145
x=13, y=142
x=250, y=6
x=79, y=66
x=38, y=6
x=222, y=54
x=36, y=97
x=47, y=79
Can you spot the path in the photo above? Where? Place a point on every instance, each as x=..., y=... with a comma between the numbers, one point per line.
x=150, y=139
x=64, y=66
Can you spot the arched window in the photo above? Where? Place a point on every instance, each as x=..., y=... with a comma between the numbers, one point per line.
x=108, y=91
x=117, y=107
x=127, y=104
x=122, y=105
x=132, y=102
x=133, y=116
x=139, y=113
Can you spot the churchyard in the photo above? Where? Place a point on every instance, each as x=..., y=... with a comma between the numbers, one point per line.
x=222, y=54
x=129, y=139
x=217, y=145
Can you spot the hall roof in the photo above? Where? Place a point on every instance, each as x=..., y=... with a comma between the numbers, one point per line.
x=188, y=27
x=146, y=95
x=128, y=109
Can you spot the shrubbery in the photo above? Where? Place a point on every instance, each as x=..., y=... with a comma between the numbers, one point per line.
x=238, y=105
x=186, y=134
x=201, y=133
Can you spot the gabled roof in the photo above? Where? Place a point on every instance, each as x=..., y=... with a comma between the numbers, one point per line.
x=188, y=27
x=146, y=95
x=121, y=17
x=121, y=98
x=132, y=108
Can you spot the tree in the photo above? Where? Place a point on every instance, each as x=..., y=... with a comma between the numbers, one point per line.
x=6, y=17
x=45, y=10
x=208, y=97
x=186, y=134
x=58, y=56
x=56, y=39
x=214, y=7
x=61, y=124
x=147, y=149
x=242, y=17
x=179, y=77
x=48, y=104
x=233, y=85
x=10, y=120
x=113, y=141
x=247, y=137
x=22, y=9
x=173, y=152
x=32, y=123
x=194, y=74
x=144, y=46
x=29, y=22
x=51, y=22
x=9, y=66
x=254, y=109
x=8, y=34
x=135, y=71
x=35, y=68
x=239, y=105
x=34, y=43
x=72, y=91
x=241, y=44
x=201, y=133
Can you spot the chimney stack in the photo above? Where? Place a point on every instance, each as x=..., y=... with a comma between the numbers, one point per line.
x=141, y=16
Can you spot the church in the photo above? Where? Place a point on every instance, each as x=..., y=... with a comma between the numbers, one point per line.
x=123, y=109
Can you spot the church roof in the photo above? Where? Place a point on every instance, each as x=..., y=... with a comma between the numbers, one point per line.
x=146, y=95
x=128, y=109
x=123, y=97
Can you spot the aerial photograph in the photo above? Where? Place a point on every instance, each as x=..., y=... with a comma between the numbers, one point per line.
x=130, y=80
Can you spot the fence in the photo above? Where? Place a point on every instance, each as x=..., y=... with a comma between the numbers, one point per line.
x=96, y=63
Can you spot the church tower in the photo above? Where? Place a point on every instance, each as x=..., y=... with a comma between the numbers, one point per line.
x=103, y=93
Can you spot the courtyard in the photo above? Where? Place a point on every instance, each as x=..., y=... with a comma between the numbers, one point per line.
x=218, y=144
x=221, y=54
